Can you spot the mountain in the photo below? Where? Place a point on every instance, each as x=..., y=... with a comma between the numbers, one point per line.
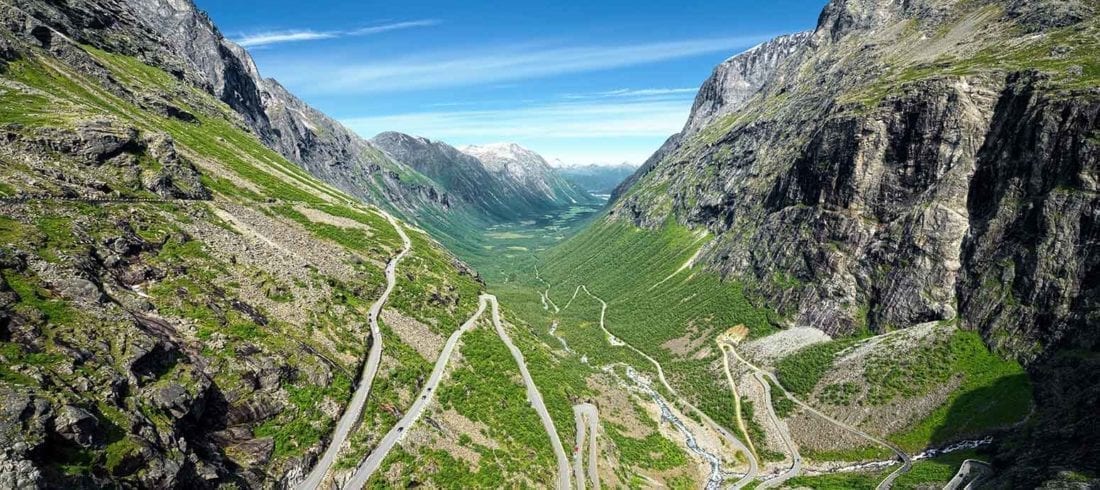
x=871, y=241
x=496, y=187
x=183, y=40
x=525, y=168
x=181, y=305
x=905, y=163
x=598, y=179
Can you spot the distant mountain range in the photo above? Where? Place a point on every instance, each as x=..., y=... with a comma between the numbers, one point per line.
x=500, y=181
x=598, y=179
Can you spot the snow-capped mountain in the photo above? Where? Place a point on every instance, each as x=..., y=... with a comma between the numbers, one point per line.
x=524, y=167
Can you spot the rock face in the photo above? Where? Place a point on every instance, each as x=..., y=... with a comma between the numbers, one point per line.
x=496, y=189
x=177, y=37
x=740, y=77
x=905, y=162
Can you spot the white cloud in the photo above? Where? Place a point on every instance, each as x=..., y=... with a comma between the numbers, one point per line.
x=366, y=31
x=600, y=132
x=278, y=37
x=639, y=94
x=485, y=66
x=626, y=92
x=564, y=120
x=266, y=38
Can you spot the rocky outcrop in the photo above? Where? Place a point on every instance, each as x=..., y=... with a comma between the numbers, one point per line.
x=117, y=160
x=180, y=39
x=740, y=77
x=910, y=162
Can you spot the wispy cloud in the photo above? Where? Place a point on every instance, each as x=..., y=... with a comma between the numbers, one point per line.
x=560, y=120
x=485, y=66
x=266, y=38
x=627, y=93
x=289, y=36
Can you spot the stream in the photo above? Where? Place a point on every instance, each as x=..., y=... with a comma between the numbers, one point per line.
x=716, y=477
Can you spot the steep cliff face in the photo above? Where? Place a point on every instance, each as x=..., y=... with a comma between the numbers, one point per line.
x=906, y=162
x=177, y=37
x=866, y=151
x=740, y=77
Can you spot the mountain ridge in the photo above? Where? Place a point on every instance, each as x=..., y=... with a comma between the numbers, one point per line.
x=874, y=177
x=516, y=183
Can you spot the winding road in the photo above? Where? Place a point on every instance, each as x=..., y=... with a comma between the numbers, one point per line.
x=796, y=458
x=886, y=483
x=535, y=397
x=582, y=413
x=722, y=432
x=374, y=460
x=359, y=399
x=736, y=398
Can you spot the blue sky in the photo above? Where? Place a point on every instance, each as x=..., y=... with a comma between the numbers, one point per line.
x=586, y=82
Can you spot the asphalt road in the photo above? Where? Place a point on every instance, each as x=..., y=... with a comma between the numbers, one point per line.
x=889, y=480
x=587, y=418
x=359, y=399
x=374, y=460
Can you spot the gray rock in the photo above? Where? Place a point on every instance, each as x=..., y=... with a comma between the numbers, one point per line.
x=19, y=474
x=80, y=289
x=740, y=77
x=77, y=425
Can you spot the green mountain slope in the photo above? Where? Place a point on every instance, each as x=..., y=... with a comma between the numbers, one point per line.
x=901, y=165
x=181, y=305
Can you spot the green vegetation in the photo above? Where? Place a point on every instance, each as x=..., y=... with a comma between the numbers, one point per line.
x=839, y=393
x=1066, y=55
x=487, y=389
x=800, y=371
x=431, y=291
x=653, y=452
x=394, y=387
x=628, y=267
x=994, y=393
x=863, y=453
x=927, y=473
x=304, y=424
x=782, y=405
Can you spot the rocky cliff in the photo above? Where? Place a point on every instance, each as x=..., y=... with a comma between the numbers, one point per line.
x=905, y=162
x=180, y=305
x=176, y=36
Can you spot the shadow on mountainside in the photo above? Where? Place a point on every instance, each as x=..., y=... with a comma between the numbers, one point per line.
x=976, y=412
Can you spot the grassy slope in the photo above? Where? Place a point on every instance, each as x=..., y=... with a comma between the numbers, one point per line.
x=43, y=93
x=623, y=265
